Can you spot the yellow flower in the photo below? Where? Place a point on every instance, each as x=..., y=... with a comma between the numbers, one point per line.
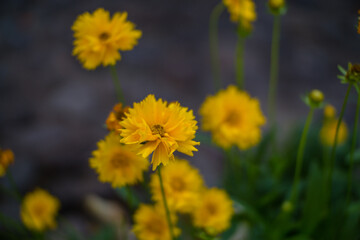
x=241, y=11
x=116, y=163
x=98, y=38
x=150, y=223
x=233, y=117
x=154, y=126
x=182, y=186
x=39, y=209
x=214, y=211
x=115, y=116
x=6, y=158
x=328, y=130
x=329, y=111
x=276, y=4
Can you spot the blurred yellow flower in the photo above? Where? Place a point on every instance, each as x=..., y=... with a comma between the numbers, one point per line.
x=6, y=158
x=214, y=211
x=116, y=163
x=182, y=186
x=241, y=11
x=115, y=116
x=154, y=126
x=329, y=111
x=98, y=38
x=328, y=131
x=39, y=209
x=233, y=117
x=276, y=4
x=150, y=223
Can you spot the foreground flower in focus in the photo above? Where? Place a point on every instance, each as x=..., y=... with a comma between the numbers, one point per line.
x=233, y=117
x=116, y=164
x=214, y=211
x=154, y=126
x=6, y=158
x=115, y=116
x=39, y=209
x=182, y=185
x=98, y=38
x=241, y=11
x=150, y=223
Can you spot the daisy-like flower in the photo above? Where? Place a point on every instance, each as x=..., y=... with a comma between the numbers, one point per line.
x=182, y=185
x=150, y=223
x=115, y=116
x=233, y=117
x=241, y=11
x=99, y=38
x=154, y=126
x=6, y=158
x=39, y=209
x=116, y=163
x=214, y=211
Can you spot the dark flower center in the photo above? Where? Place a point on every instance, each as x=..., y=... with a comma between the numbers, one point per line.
x=104, y=36
x=158, y=129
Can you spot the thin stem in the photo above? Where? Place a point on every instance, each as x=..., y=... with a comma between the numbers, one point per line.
x=300, y=156
x=333, y=150
x=240, y=62
x=165, y=204
x=13, y=185
x=353, y=145
x=116, y=81
x=274, y=69
x=129, y=197
x=214, y=47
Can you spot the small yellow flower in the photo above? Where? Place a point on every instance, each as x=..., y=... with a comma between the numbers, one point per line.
x=328, y=131
x=98, y=38
x=116, y=163
x=39, y=209
x=214, y=211
x=154, y=126
x=233, y=117
x=6, y=158
x=182, y=186
x=329, y=111
x=115, y=116
x=241, y=11
x=276, y=4
x=150, y=223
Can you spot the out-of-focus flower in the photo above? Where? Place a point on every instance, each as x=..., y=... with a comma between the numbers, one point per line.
x=115, y=116
x=329, y=111
x=39, y=209
x=233, y=117
x=99, y=38
x=328, y=131
x=6, y=158
x=150, y=223
x=276, y=4
x=241, y=11
x=154, y=126
x=182, y=186
x=116, y=163
x=214, y=211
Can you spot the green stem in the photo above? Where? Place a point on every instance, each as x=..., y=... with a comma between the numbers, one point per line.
x=353, y=145
x=300, y=156
x=274, y=69
x=129, y=197
x=333, y=150
x=116, y=81
x=13, y=185
x=214, y=47
x=240, y=62
x=165, y=204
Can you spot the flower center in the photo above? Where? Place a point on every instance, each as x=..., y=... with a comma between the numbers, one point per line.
x=104, y=36
x=211, y=208
x=155, y=227
x=119, y=160
x=158, y=129
x=39, y=210
x=232, y=118
x=177, y=184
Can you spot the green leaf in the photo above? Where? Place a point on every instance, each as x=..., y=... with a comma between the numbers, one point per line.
x=107, y=232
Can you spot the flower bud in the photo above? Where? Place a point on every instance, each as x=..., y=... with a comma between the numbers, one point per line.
x=353, y=73
x=277, y=6
x=316, y=97
x=329, y=111
x=287, y=207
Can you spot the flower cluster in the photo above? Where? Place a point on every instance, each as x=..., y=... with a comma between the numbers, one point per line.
x=115, y=116
x=242, y=12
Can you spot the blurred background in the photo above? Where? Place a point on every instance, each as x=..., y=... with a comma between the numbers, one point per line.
x=52, y=110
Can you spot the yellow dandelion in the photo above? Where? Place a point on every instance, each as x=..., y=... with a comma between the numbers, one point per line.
x=329, y=111
x=150, y=223
x=116, y=163
x=39, y=209
x=99, y=38
x=241, y=11
x=214, y=211
x=328, y=131
x=154, y=126
x=6, y=158
x=115, y=116
x=233, y=117
x=182, y=186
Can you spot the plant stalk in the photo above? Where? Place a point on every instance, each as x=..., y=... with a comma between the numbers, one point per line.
x=116, y=80
x=240, y=46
